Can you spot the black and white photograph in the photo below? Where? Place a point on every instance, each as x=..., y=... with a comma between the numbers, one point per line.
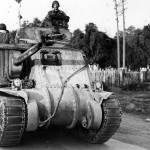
x=74, y=75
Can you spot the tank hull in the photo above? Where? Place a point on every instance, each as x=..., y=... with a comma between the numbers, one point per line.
x=63, y=93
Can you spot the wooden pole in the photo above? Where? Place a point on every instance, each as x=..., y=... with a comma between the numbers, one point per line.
x=118, y=41
x=124, y=48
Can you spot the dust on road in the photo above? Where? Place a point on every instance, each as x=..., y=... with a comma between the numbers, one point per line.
x=134, y=130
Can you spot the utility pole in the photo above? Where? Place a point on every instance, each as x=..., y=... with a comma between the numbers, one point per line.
x=124, y=48
x=118, y=41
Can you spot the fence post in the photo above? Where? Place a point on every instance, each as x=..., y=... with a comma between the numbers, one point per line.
x=116, y=77
x=141, y=76
x=120, y=77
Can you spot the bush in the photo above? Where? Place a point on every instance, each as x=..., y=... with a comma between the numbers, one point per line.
x=136, y=87
x=106, y=87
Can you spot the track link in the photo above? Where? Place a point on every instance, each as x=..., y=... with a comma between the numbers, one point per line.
x=13, y=120
x=111, y=120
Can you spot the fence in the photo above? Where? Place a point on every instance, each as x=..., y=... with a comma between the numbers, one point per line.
x=117, y=78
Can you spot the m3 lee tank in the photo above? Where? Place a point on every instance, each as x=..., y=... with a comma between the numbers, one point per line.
x=44, y=82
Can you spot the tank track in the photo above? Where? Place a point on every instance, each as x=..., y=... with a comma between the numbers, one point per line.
x=13, y=120
x=110, y=123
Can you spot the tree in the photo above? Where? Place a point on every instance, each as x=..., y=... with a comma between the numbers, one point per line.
x=136, y=52
x=25, y=23
x=77, y=41
x=145, y=40
x=98, y=47
x=36, y=22
x=90, y=30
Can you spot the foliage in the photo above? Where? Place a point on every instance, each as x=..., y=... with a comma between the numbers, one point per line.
x=136, y=53
x=102, y=50
x=25, y=23
x=137, y=47
x=98, y=47
x=36, y=23
x=77, y=40
x=136, y=87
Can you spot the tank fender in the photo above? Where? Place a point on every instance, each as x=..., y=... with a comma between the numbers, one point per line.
x=100, y=96
x=105, y=95
x=20, y=93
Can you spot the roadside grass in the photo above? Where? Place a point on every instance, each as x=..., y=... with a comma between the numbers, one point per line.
x=134, y=102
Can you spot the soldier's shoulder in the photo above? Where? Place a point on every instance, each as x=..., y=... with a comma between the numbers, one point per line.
x=51, y=12
x=62, y=12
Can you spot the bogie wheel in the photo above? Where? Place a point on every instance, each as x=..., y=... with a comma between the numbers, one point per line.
x=13, y=120
x=110, y=123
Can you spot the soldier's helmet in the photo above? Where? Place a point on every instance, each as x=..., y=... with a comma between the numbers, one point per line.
x=2, y=26
x=55, y=2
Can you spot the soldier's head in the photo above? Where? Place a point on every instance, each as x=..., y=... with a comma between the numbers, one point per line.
x=2, y=26
x=55, y=5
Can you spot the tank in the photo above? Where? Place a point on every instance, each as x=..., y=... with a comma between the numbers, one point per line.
x=45, y=83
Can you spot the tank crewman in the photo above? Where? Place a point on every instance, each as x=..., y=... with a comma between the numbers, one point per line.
x=4, y=34
x=55, y=11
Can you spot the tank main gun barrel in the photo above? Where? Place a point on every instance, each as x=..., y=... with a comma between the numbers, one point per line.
x=27, y=54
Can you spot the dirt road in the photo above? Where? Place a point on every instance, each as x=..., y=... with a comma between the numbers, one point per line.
x=134, y=130
x=134, y=133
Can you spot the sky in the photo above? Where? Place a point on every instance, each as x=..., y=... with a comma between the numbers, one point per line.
x=81, y=12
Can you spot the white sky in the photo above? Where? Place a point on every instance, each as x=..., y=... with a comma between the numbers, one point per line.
x=81, y=12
